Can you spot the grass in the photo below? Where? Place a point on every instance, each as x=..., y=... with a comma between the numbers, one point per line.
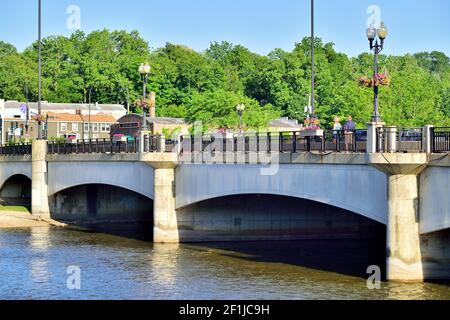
x=14, y=209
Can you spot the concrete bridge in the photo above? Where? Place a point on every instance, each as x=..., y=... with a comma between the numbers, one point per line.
x=295, y=197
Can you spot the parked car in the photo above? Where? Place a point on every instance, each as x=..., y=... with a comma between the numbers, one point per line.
x=411, y=135
x=361, y=135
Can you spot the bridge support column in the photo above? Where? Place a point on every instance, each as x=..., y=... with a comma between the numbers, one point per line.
x=165, y=217
x=39, y=182
x=404, y=261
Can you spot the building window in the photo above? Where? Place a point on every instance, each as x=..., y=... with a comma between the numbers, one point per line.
x=95, y=127
x=86, y=127
x=74, y=126
x=63, y=126
x=105, y=127
x=129, y=125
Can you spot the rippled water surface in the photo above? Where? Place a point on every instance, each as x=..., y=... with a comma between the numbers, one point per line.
x=33, y=265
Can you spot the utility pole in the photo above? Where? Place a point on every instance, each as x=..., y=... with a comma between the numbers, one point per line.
x=27, y=112
x=312, y=62
x=90, y=125
x=39, y=69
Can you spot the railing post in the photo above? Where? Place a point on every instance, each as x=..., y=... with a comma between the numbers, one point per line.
x=281, y=142
x=373, y=137
x=180, y=141
x=323, y=143
x=294, y=142
x=392, y=138
x=161, y=143
x=428, y=139
x=145, y=143
x=338, y=141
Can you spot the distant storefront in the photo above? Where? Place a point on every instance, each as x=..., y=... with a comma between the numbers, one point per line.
x=130, y=126
x=59, y=126
x=65, y=120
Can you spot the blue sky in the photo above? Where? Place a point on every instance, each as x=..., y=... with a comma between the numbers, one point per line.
x=260, y=25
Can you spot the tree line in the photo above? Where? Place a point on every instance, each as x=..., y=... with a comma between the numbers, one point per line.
x=207, y=86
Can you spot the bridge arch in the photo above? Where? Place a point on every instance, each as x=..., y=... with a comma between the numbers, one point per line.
x=359, y=189
x=11, y=169
x=16, y=190
x=132, y=176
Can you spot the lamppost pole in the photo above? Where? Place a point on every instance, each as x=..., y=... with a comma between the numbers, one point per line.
x=39, y=69
x=313, y=111
x=89, y=116
x=376, y=112
x=144, y=71
x=125, y=91
x=374, y=35
x=240, y=109
x=27, y=111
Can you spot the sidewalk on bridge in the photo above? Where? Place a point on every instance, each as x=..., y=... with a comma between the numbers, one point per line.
x=19, y=220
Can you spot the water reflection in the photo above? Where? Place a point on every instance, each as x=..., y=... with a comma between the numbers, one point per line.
x=164, y=262
x=39, y=270
x=39, y=242
x=33, y=265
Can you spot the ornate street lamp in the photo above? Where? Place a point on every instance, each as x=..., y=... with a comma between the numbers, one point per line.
x=144, y=71
x=240, y=109
x=376, y=41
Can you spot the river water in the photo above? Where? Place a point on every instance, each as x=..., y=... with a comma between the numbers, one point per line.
x=34, y=262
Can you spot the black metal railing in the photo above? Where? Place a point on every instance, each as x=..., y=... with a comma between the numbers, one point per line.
x=93, y=146
x=440, y=139
x=285, y=142
x=151, y=143
x=15, y=150
x=400, y=140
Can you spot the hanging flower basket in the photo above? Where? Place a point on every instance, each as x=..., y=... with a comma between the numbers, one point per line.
x=38, y=118
x=146, y=104
x=312, y=123
x=380, y=79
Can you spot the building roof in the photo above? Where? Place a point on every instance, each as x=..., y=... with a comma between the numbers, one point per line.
x=69, y=117
x=80, y=118
x=156, y=120
x=66, y=106
x=284, y=123
x=161, y=120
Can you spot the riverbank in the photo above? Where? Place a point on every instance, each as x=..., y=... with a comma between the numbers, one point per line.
x=14, y=219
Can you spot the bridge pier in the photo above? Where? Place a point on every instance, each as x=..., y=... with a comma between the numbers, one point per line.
x=165, y=216
x=404, y=259
x=39, y=183
x=403, y=255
